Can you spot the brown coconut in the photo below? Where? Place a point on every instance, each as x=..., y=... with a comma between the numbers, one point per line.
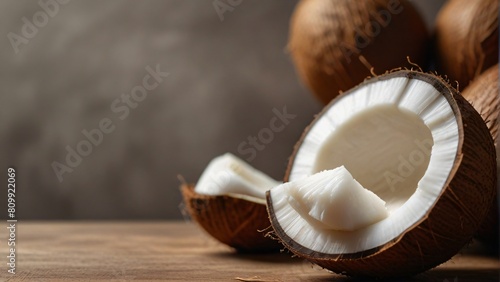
x=334, y=43
x=484, y=94
x=449, y=224
x=238, y=223
x=466, y=38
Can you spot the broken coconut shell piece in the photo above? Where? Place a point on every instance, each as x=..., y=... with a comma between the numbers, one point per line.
x=228, y=202
x=420, y=147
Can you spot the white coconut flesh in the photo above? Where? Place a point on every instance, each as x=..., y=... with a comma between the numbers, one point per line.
x=229, y=175
x=331, y=199
x=398, y=138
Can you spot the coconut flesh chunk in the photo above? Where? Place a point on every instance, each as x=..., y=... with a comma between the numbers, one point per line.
x=333, y=200
x=398, y=138
x=229, y=175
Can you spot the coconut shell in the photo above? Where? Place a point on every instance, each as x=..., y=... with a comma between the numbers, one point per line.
x=484, y=94
x=334, y=43
x=235, y=222
x=448, y=226
x=466, y=38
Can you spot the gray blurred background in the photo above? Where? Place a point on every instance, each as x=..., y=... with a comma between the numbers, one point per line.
x=226, y=74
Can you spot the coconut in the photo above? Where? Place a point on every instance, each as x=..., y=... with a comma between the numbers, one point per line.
x=228, y=202
x=405, y=142
x=483, y=94
x=467, y=38
x=334, y=43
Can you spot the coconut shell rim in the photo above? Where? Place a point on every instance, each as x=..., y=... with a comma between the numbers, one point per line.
x=192, y=186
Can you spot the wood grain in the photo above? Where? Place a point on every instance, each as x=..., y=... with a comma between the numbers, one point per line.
x=178, y=251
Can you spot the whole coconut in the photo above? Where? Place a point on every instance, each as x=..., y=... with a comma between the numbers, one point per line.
x=483, y=93
x=467, y=38
x=334, y=43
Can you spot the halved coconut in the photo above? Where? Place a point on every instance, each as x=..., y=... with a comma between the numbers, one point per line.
x=228, y=202
x=483, y=93
x=416, y=144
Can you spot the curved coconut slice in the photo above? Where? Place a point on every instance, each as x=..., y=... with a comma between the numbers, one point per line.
x=333, y=41
x=228, y=202
x=483, y=94
x=421, y=148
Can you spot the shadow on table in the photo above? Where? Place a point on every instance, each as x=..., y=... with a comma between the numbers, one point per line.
x=435, y=275
x=302, y=268
x=459, y=275
x=278, y=257
x=482, y=249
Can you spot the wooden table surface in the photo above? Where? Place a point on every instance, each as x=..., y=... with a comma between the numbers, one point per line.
x=177, y=251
